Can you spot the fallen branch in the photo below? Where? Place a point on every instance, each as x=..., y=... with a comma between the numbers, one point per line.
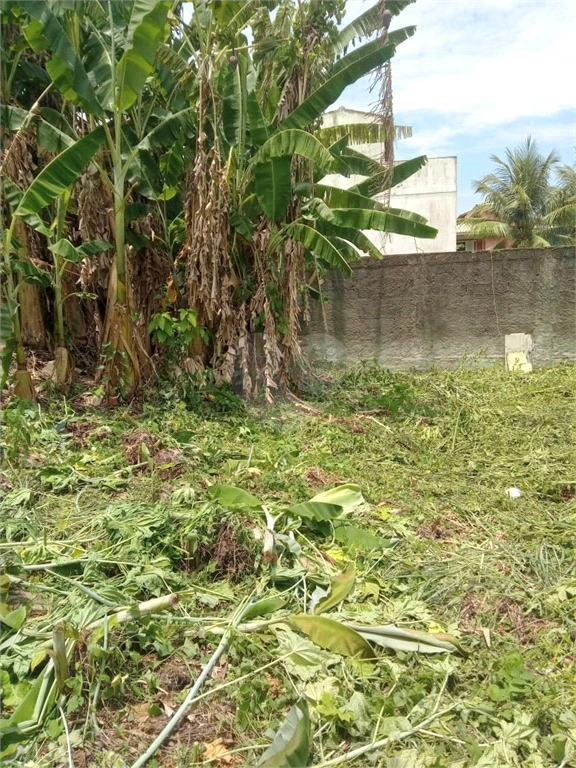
x=383, y=742
x=179, y=714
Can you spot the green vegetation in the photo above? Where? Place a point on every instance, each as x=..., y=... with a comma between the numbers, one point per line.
x=166, y=157
x=386, y=491
x=522, y=205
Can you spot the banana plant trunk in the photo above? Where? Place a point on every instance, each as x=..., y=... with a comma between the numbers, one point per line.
x=63, y=366
x=121, y=366
x=23, y=386
x=33, y=328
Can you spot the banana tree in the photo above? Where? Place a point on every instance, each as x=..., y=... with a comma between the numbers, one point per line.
x=52, y=182
x=118, y=45
x=273, y=224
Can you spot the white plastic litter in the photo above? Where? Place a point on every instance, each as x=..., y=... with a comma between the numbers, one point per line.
x=513, y=493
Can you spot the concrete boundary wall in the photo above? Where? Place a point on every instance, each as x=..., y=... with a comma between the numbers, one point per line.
x=443, y=309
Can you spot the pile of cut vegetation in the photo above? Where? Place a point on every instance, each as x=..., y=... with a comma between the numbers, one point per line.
x=343, y=579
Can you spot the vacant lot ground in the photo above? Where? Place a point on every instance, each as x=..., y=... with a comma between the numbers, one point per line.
x=107, y=509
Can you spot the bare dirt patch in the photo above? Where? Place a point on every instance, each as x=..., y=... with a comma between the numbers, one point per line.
x=80, y=431
x=442, y=529
x=317, y=478
x=478, y=610
x=232, y=557
x=141, y=446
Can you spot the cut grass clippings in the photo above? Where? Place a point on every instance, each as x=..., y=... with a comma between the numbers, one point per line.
x=104, y=510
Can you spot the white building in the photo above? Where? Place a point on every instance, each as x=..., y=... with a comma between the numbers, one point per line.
x=431, y=192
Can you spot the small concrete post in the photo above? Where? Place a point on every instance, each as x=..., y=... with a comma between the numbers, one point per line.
x=517, y=347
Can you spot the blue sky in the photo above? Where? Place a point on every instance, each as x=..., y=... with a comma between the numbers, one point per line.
x=480, y=76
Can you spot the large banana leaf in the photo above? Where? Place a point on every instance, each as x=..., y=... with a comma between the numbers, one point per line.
x=292, y=742
x=319, y=245
x=368, y=22
x=53, y=132
x=60, y=173
x=169, y=129
x=44, y=32
x=352, y=161
x=394, y=38
x=234, y=15
x=97, y=59
x=12, y=118
x=231, y=104
x=344, y=248
x=354, y=236
x=286, y=143
x=332, y=635
x=382, y=181
x=363, y=133
x=273, y=183
x=256, y=120
x=146, y=30
x=335, y=197
x=319, y=101
x=13, y=196
x=382, y=221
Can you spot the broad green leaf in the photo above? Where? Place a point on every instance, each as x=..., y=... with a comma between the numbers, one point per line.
x=382, y=221
x=319, y=101
x=286, y=143
x=379, y=182
x=40, y=697
x=335, y=197
x=6, y=354
x=354, y=236
x=273, y=184
x=231, y=104
x=234, y=15
x=304, y=659
x=332, y=635
x=60, y=173
x=392, y=38
x=32, y=274
x=346, y=198
x=256, y=121
x=358, y=538
x=291, y=745
x=146, y=30
x=389, y=636
x=54, y=134
x=6, y=327
x=315, y=510
x=348, y=496
x=68, y=252
x=242, y=224
x=319, y=244
x=344, y=248
x=12, y=118
x=340, y=586
x=14, y=619
x=265, y=606
x=363, y=133
x=13, y=195
x=368, y=22
x=230, y=496
x=38, y=658
x=350, y=161
x=44, y=32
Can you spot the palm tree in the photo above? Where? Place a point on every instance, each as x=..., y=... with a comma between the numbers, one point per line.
x=517, y=193
x=559, y=222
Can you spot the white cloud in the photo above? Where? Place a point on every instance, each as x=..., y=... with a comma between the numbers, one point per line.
x=482, y=62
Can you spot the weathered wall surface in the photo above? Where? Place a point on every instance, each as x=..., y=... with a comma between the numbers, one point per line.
x=425, y=310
